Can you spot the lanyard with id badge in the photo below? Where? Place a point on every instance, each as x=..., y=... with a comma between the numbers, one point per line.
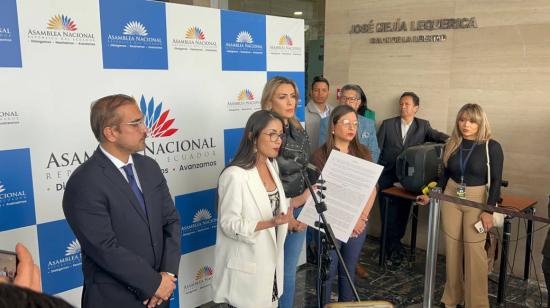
x=461, y=188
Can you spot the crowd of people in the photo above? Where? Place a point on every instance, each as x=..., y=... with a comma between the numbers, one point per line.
x=257, y=201
x=119, y=207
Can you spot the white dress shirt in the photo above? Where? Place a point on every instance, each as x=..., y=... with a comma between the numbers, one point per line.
x=119, y=164
x=404, y=129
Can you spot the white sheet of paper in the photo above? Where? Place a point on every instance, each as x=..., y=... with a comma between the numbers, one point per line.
x=349, y=181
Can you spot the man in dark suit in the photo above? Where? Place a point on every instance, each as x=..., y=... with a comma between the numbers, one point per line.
x=119, y=207
x=394, y=136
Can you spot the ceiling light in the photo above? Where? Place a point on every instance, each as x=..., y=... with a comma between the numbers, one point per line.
x=298, y=13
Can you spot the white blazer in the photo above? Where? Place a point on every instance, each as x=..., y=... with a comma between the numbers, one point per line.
x=246, y=260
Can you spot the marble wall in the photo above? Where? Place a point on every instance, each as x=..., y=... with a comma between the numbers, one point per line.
x=503, y=64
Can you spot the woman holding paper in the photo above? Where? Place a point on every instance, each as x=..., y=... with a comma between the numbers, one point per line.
x=342, y=136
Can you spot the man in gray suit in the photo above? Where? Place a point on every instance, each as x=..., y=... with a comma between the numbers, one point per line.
x=394, y=136
x=119, y=207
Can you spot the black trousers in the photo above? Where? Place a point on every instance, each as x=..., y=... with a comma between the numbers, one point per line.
x=398, y=216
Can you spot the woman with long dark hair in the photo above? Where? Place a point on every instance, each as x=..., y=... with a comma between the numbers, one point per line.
x=342, y=136
x=253, y=214
x=280, y=95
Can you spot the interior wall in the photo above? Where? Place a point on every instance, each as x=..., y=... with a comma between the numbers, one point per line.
x=503, y=65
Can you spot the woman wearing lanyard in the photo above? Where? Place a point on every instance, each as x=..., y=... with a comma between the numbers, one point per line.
x=466, y=176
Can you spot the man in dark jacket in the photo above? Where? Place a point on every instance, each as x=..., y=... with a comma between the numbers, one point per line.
x=394, y=136
x=119, y=207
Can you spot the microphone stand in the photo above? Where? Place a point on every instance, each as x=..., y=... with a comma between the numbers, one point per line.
x=328, y=243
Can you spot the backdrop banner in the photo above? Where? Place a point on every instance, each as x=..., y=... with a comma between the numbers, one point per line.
x=197, y=74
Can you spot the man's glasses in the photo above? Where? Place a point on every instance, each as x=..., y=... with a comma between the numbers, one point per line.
x=348, y=123
x=275, y=136
x=136, y=124
x=349, y=99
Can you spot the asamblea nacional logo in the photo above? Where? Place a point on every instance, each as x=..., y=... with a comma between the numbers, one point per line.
x=195, y=39
x=173, y=155
x=244, y=44
x=10, y=49
x=285, y=45
x=202, y=215
x=68, y=259
x=73, y=248
x=203, y=279
x=61, y=29
x=243, y=41
x=12, y=197
x=198, y=219
x=244, y=101
x=16, y=189
x=135, y=28
x=60, y=257
x=5, y=34
x=134, y=35
x=9, y=117
x=203, y=222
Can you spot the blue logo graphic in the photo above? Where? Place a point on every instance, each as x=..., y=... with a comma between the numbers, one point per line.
x=243, y=41
x=60, y=258
x=198, y=220
x=10, y=48
x=299, y=79
x=133, y=34
x=16, y=192
x=231, y=140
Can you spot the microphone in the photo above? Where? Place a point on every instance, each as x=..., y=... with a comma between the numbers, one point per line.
x=304, y=163
x=296, y=156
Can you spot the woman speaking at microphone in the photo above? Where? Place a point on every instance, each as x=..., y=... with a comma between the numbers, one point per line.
x=469, y=156
x=342, y=136
x=280, y=95
x=253, y=217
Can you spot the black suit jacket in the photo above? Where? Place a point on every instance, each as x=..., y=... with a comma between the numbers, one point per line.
x=123, y=251
x=391, y=144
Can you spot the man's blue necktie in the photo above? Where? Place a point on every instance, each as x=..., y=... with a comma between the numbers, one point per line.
x=133, y=184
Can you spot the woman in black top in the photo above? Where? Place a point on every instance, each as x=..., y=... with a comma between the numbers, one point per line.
x=466, y=176
x=280, y=95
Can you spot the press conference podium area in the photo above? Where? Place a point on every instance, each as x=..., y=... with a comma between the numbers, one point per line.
x=518, y=203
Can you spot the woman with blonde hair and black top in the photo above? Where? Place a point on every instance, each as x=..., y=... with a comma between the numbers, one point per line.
x=280, y=95
x=469, y=156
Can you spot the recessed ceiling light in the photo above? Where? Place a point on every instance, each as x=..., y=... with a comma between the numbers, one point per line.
x=298, y=13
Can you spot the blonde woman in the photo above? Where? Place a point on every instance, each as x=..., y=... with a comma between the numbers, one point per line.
x=466, y=176
x=280, y=95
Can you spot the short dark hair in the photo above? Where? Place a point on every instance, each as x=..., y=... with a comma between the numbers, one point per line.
x=319, y=78
x=103, y=113
x=415, y=98
x=14, y=296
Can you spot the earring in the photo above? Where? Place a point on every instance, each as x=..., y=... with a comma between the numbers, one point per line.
x=333, y=132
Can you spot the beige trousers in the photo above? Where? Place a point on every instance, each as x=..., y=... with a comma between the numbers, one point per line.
x=466, y=259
